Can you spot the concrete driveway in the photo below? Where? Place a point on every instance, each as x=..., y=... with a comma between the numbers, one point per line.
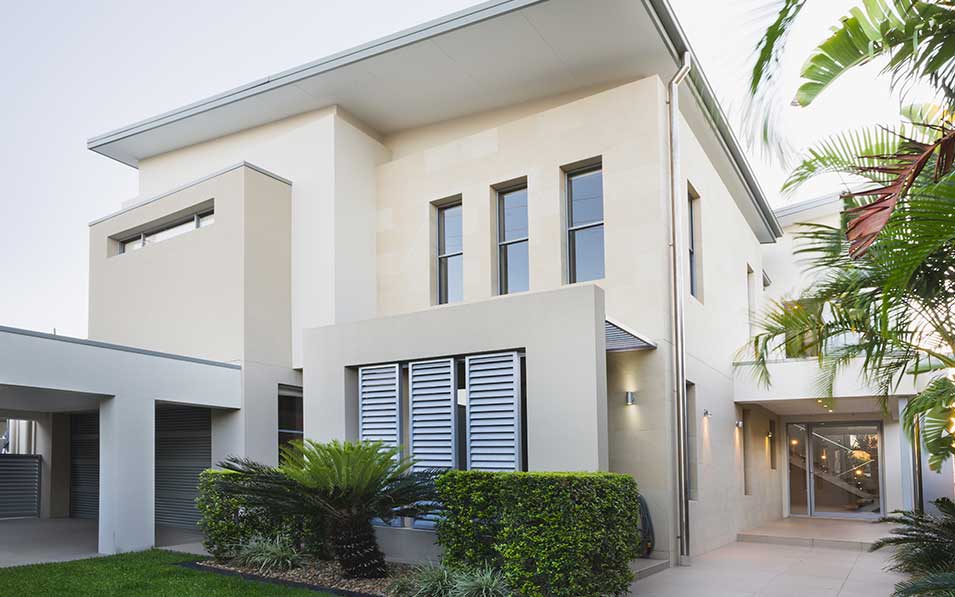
x=32, y=540
x=38, y=540
x=759, y=569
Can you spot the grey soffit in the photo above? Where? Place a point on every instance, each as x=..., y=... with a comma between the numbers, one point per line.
x=119, y=347
x=621, y=340
x=563, y=46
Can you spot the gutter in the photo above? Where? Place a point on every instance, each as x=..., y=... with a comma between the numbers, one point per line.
x=677, y=295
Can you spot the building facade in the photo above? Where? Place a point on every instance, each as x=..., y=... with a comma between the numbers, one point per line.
x=456, y=240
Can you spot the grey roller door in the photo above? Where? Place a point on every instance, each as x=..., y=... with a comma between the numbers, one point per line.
x=84, y=465
x=19, y=485
x=183, y=451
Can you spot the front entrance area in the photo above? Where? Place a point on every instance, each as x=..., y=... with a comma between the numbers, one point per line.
x=835, y=469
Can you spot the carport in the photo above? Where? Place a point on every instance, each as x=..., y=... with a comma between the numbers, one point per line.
x=118, y=430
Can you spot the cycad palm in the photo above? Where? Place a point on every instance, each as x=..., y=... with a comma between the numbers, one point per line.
x=350, y=484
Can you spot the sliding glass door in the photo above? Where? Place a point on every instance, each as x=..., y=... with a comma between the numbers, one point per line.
x=835, y=469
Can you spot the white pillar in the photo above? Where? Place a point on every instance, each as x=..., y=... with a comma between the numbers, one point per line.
x=127, y=477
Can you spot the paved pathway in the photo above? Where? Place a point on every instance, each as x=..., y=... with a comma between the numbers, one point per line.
x=758, y=569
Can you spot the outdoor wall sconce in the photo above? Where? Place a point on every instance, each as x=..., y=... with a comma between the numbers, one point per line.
x=739, y=423
x=631, y=398
x=769, y=435
x=707, y=413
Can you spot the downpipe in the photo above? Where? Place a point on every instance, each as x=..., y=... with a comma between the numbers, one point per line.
x=677, y=245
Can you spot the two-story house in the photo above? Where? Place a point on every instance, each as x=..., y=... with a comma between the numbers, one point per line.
x=456, y=239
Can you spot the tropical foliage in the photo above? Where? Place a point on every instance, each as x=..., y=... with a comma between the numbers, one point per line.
x=884, y=289
x=924, y=546
x=349, y=484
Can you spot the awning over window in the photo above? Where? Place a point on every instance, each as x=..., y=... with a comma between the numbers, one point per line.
x=620, y=339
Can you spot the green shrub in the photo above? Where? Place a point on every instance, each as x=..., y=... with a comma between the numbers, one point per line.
x=554, y=534
x=229, y=522
x=269, y=553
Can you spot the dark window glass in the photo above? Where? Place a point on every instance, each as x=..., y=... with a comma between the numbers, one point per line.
x=586, y=193
x=290, y=413
x=450, y=255
x=514, y=274
x=512, y=241
x=291, y=419
x=587, y=254
x=451, y=279
x=585, y=233
x=513, y=212
x=691, y=243
x=449, y=230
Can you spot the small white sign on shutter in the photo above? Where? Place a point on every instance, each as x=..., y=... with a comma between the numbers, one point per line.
x=433, y=404
x=494, y=412
x=379, y=408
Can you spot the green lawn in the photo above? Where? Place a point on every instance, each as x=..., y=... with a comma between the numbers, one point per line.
x=144, y=573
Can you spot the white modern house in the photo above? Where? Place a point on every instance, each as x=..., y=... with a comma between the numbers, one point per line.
x=457, y=239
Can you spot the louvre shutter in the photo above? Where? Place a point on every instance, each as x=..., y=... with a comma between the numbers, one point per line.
x=432, y=395
x=379, y=408
x=494, y=412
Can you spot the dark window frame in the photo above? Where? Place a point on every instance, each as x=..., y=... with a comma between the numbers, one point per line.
x=569, y=175
x=503, y=244
x=444, y=257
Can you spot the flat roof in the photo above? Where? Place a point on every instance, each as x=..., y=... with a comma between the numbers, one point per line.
x=446, y=68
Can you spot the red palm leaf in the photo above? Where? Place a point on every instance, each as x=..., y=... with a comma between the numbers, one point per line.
x=903, y=169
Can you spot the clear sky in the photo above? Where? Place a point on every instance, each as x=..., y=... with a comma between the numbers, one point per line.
x=72, y=70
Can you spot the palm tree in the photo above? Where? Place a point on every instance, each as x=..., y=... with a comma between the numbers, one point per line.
x=350, y=483
x=885, y=291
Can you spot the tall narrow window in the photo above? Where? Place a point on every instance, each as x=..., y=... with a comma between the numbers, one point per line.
x=450, y=254
x=291, y=415
x=585, y=224
x=692, y=243
x=512, y=241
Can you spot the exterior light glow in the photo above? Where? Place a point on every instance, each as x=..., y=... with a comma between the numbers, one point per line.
x=739, y=424
x=769, y=435
x=631, y=399
x=794, y=442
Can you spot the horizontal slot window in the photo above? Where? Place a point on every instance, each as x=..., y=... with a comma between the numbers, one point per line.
x=167, y=231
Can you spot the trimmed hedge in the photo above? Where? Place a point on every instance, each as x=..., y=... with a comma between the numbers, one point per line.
x=228, y=523
x=554, y=534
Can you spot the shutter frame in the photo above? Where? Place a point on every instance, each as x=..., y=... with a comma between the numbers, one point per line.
x=379, y=404
x=494, y=393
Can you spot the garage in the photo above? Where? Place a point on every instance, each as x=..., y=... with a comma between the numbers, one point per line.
x=183, y=451
x=84, y=465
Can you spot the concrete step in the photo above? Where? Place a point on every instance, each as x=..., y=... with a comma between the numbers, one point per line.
x=645, y=567
x=804, y=541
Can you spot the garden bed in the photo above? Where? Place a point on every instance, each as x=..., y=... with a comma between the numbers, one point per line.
x=317, y=575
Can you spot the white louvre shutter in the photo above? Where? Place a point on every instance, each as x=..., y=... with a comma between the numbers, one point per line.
x=378, y=404
x=433, y=403
x=494, y=412
x=432, y=390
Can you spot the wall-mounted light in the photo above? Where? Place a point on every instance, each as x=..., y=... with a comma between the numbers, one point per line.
x=769, y=435
x=794, y=442
x=707, y=413
x=739, y=423
x=631, y=398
